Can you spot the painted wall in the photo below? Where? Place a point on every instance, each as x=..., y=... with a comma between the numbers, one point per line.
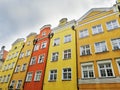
x=21, y=74
x=60, y=84
x=16, y=47
x=112, y=55
x=38, y=85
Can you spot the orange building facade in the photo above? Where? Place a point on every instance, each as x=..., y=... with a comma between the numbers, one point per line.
x=98, y=49
x=36, y=69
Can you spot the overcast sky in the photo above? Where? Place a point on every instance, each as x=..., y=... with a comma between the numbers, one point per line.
x=20, y=17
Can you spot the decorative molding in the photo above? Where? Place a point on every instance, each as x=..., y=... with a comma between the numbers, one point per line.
x=32, y=33
x=99, y=80
x=18, y=40
x=45, y=26
x=61, y=27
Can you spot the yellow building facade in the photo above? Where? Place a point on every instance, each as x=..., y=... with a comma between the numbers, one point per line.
x=60, y=71
x=98, y=49
x=18, y=77
x=10, y=63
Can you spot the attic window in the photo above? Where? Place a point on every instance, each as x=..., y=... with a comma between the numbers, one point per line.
x=15, y=48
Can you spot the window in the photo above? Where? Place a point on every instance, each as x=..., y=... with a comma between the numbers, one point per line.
x=41, y=58
x=17, y=68
x=67, y=38
x=12, y=65
x=7, y=78
x=55, y=56
x=12, y=84
x=29, y=76
x=36, y=47
x=97, y=29
x=67, y=54
x=16, y=54
x=5, y=67
x=53, y=75
x=43, y=45
x=85, y=50
x=24, y=66
x=115, y=43
x=28, y=43
x=12, y=56
x=105, y=69
x=0, y=78
x=112, y=25
x=21, y=55
x=87, y=70
x=43, y=33
x=66, y=74
x=9, y=66
x=19, y=83
x=100, y=47
x=28, y=53
x=56, y=42
x=118, y=64
x=4, y=78
x=33, y=60
x=83, y=33
x=38, y=76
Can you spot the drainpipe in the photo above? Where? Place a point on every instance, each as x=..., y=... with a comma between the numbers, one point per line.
x=73, y=28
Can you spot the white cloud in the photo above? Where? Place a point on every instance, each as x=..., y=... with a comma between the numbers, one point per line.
x=20, y=17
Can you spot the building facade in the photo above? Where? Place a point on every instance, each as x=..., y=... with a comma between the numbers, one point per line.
x=3, y=55
x=60, y=71
x=10, y=63
x=18, y=77
x=36, y=69
x=98, y=48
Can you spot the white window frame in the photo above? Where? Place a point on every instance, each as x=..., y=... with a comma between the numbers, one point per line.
x=41, y=58
x=67, y=38
x=36, y=47
x=28, y=52
x=67, y=54
x=88, y=69
x=21, y=55
x=7, y=78
x=28, y=43
x=97, y=30
x=12, y=65
x=85, y=49
x=31, y=61
x=12, y=84
x=24, y=67
x=16, y=54
x=117, y=44
x=83, y=33
x=118, y=65
x=104, y=62
x=44, y=43
x=29, y=76
x=43, y=33
x=54, y=75
x=19, y=83
x=100, y=48
x=67, y=74
x=37, y=75
x=17, y=69
x=56, y=42
x=112, y=25
x=55, y=56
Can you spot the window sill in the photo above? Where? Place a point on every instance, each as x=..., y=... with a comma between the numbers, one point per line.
x=66, y=58
x=86, y=55
x=87, y=78
x=97, y=33
x=66, y=79
x=54, y=61
x=84, y=37
x=67, y=42
x=55, y=45
x=113, y=29
x=101, y=52
x=116, y=49
x=51, y=80
x=36, y=80
x=106, y=77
